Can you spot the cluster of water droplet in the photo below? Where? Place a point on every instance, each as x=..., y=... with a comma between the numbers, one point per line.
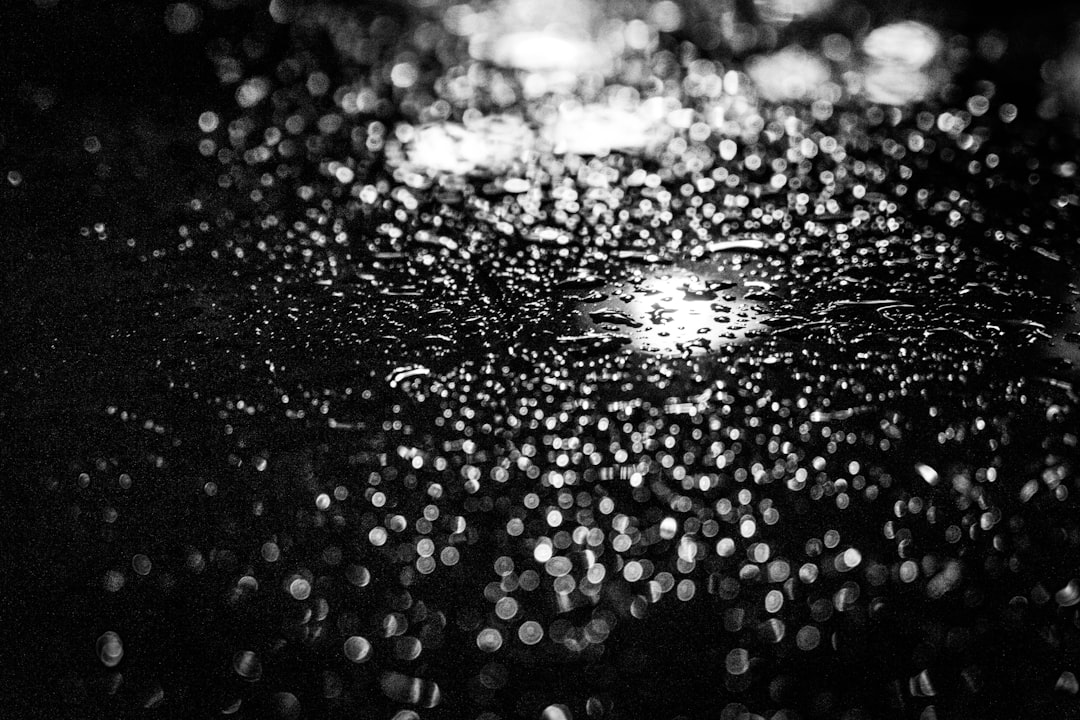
x=513, y=345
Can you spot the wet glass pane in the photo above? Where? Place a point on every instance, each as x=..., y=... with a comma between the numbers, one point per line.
x=540, y=359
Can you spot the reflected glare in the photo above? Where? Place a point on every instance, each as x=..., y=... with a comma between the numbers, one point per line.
x=552, y=42
x=600, y=129
x=782, y=12
x=790, y=74
x=673, y=311
x=898, y=61
x=489, y=144
x=540, y=51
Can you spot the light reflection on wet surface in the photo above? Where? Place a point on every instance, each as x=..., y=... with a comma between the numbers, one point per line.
x=899, y=58
x=678, y=311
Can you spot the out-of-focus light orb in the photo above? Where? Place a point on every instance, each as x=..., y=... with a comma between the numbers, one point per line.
x=110, y=649
x=909, y=43
x=556, y=712
x=597, y=129
x=896, y=86
x=782, y=12
x=542, y=51
x=1061, y=82
x=538, y=36
x=284, y=11
x=789, y=74
x=535, y=14
x=357, y=649
x=672, y=311
x=252, y=91
x=530, y=632
x=248, y=665
x=182, y=17
x=898, y=58
x=490, y=144
x=666, y=16
x=543, y=552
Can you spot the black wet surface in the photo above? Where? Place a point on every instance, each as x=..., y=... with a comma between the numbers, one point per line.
x=300, y=423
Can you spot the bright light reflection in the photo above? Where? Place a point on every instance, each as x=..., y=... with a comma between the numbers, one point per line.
x=782, y=12
x=600, y=129
x=898, y=60
x=491, y=144
x=790, y=74
x=543, y=51
x=677, y=311
x=552, y=41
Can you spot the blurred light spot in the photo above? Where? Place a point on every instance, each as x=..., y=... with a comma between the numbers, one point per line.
x=897, y=59
x=782, y=12
x=666, y=15
x=808, y=638
x=489, y=144
x=357, y=649
x=489, y=640
x=141, y=564
x=738, y=661
x=300, y=589
x=283, y=11
x=252, y=91
x=601, y=129
x=182, y=17
x=404, y=75
x=247, y=665
x=110, y=649
x=909, y=44
x=530, y=632
x=556, y=712
x=541, y=51
x=789, y=74
x=927, y=473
